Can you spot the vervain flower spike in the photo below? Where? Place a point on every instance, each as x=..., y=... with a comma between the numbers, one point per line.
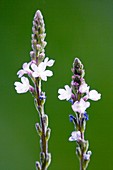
x=36, y=71
x=79, y=94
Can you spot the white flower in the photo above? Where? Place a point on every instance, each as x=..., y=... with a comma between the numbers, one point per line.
x=39, y=71
x=80, y=106
x=75, y=136
x=49, y=63
x=94, y=95
x=87, y=155
x=65, y=94
x=84, y=88
x=25, y=70
x=22, y=87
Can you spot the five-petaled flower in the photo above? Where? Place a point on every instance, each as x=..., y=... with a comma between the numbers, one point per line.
x=22, y=87
x=75, y=136
x=40, y=70
x=25, y=70
x=84, y=88
x=65, y=94
x=93, y=95
x=80, y=106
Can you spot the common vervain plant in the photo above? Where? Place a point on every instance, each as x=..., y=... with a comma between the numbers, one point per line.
x=36, y=71
x=79, y=94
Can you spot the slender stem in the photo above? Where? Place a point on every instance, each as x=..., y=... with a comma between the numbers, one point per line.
x=43, y=142
x=81, y=159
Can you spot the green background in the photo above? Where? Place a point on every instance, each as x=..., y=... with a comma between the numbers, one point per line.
x=82, y=28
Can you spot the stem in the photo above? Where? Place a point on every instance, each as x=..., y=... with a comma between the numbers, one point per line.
x=82, y=152
x=43, y=125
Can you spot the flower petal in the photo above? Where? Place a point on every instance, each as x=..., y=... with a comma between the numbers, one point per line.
x=34, y=67
x=65, y=94
x=94, y=95
x=48, y=73
x=24, y=80
x=20, y=73
x=80, y=106
x=22, y=87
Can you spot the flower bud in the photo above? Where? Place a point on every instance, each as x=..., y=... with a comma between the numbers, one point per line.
x=78, y=152
x=45, y=120
x=48, y=159
x=38, y=166
x=38, y=129
x=48, y=133
x=42, y=157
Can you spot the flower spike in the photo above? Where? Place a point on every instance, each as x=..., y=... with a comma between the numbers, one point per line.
x=80, y=95
x=36, y=71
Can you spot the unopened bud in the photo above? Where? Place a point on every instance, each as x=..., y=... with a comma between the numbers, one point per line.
x=38, y=166
x=48, y=133
x=42, y=157
x=48, y=159
x=45, y=120
x=38, y=128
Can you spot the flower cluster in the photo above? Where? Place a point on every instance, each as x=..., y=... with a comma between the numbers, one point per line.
x=36, y=71
x=36, y=68
x=79, y=94
x=33, y=71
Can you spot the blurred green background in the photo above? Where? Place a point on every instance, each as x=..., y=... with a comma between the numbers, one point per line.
x=82, y=28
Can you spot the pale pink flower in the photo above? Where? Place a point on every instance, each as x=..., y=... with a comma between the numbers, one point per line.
x=75, y=136
x=80, y=106
x=40, y=71
x=22, y=87
x=25, y=70
x=65, y=94
x=84, y=88
x=94, y=95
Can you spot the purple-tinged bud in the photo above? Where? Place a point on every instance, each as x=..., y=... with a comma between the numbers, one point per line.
x=73, y=96
x=33, y=61
x=38, y=15
x=33, y=36
x=38, y=36
x=73, y=77
x=32, y=54
x=38, y=46
x=42, y=36
x=44, y=43
x=42, y=55
x=31, y=89
x=34, y=41
x=74, y=83
x=33, y=30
